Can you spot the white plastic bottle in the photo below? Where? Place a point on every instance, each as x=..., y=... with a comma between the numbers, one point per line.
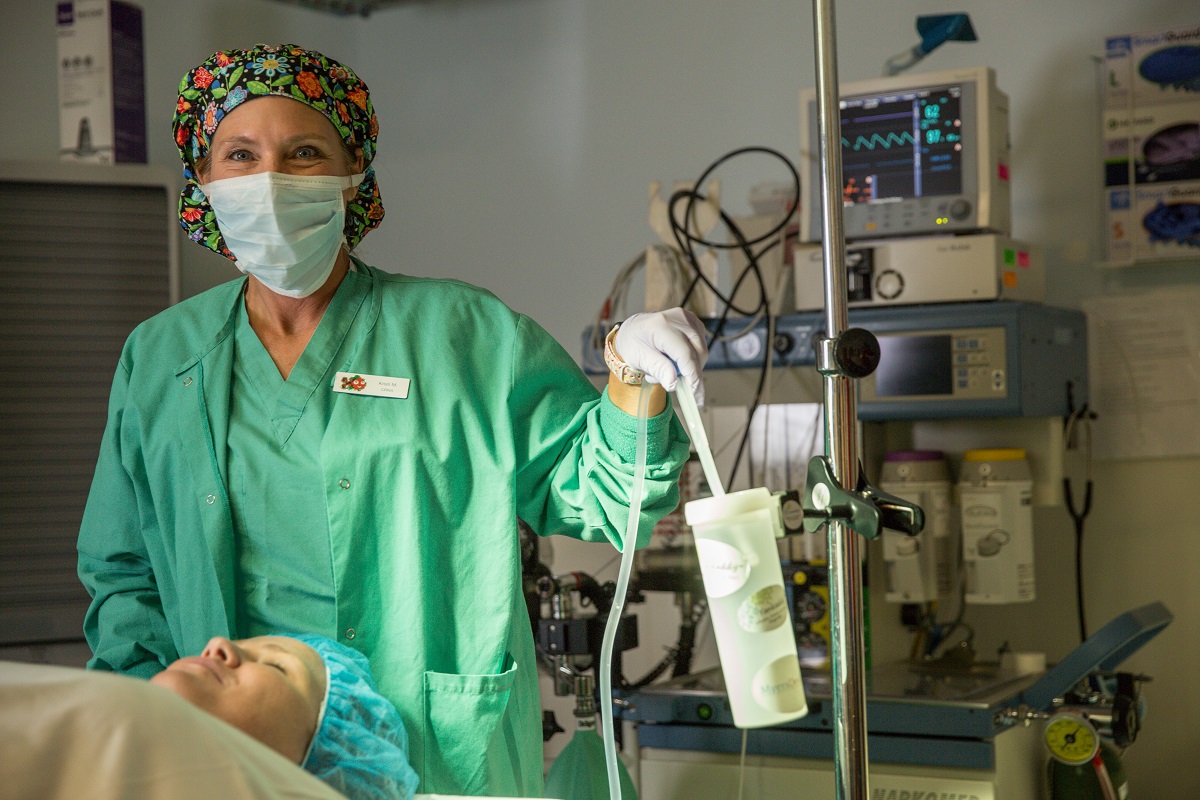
x=996, y=497
x=735, y=541
x=921, y=568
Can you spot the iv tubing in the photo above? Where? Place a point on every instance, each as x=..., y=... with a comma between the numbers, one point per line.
x=691, y=415
x=628, y=545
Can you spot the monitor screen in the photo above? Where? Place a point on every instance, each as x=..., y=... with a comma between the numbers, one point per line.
x=911, y=366
x=902, y=145
x=920, y=154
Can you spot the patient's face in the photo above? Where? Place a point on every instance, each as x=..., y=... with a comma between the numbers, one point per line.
x=270, y=687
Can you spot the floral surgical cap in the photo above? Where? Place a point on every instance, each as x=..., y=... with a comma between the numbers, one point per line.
x=360, y=747
x=230, y=78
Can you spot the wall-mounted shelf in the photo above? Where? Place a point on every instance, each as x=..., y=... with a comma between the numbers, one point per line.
x=1151, y=262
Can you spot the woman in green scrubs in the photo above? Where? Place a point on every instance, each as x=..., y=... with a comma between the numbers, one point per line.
x=326, y=447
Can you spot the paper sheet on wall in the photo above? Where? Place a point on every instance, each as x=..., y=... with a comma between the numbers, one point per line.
x=1144, y=372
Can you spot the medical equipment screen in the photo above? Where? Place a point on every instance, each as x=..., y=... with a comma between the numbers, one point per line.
x=902, y=145
x=914, y=366
x=921, y=154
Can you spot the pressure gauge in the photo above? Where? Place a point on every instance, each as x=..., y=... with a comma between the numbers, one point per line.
x=1071, y=738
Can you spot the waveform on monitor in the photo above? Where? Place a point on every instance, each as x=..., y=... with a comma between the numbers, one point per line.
x=892, y=139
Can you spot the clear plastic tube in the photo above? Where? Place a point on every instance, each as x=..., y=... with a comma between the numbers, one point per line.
x=629, y=544
x=691, y=416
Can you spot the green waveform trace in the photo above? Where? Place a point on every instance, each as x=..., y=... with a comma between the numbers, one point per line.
x=876, y=140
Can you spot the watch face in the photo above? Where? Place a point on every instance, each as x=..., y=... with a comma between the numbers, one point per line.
x=1070, y=738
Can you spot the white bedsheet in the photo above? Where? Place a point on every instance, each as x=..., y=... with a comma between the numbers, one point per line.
x=67, y=733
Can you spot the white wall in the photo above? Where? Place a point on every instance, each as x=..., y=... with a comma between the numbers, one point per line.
x=519, y=136
x=178, y=36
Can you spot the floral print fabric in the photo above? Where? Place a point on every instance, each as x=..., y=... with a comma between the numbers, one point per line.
x=230, y=78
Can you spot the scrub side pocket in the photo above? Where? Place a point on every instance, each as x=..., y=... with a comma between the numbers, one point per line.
x=466, y=750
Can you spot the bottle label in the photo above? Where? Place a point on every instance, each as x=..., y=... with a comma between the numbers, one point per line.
x=763, y=611
x=778, y=687
x=725, y=568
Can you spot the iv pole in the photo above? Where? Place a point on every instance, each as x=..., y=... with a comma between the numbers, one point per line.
x=841, y=439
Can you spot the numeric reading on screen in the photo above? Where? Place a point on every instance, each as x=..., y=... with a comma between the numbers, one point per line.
x=902, y=145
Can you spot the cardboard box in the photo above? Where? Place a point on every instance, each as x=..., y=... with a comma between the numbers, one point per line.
x=101, y=82
x=1165, y=145
x=1156, y=221
x=1152, y=134
x=1159, y=67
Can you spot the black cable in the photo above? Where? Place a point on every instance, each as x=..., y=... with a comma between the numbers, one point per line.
x=1078, y=518
x=752, y=268
x=687, y=638
x=1082, y=417
x=687, y=242
x=687, y=645
x=655, y=673
x=713, y=168
x=680, y=655
x=768, y=350
x=742, y=243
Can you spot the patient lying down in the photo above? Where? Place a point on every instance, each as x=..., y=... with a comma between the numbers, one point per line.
x=307, y=698
x=271, y=687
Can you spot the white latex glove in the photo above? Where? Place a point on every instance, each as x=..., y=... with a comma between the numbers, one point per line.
x=665, y=345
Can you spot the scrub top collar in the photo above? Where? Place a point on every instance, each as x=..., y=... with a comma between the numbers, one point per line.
x=287, y=399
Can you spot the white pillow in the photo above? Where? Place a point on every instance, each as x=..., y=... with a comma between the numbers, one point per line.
x=70, y=733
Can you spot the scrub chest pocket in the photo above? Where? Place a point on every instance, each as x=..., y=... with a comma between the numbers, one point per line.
x=466, y=748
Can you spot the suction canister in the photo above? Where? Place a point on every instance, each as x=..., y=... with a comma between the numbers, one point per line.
x=735, y=537
x=996, y=498
x=921, y=568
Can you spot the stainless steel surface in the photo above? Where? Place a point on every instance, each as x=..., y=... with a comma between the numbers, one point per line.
x=982, y=686
x=841, y=443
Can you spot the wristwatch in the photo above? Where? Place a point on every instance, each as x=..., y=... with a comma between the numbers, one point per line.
x=624, y=372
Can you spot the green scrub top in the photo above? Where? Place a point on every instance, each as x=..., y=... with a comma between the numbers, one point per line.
x=421, y=496
x=275, y=429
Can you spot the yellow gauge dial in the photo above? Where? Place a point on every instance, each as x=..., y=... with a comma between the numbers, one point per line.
x=1071, y=738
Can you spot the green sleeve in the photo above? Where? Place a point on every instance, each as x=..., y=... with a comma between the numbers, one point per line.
x=125, y=625
x=575, y=450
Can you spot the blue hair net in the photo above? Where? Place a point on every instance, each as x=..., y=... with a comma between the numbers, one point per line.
x=360, y=747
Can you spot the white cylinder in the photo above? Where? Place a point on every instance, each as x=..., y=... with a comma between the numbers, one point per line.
x=921, y=568
x=996, y=498
x=736, y=543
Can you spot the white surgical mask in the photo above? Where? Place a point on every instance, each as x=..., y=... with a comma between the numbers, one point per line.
x=285, y=230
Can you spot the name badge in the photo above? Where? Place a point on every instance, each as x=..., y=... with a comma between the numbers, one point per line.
x=372, y=385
